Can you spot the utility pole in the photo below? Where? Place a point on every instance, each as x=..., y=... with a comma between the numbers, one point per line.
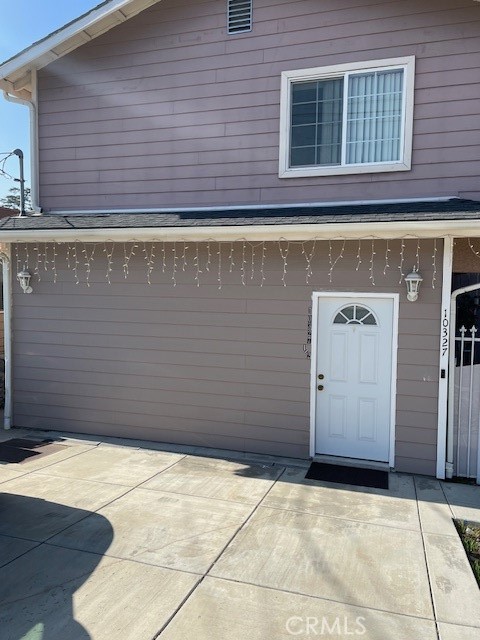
x=21, y=180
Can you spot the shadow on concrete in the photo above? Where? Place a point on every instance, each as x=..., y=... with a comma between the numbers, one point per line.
x=38, y=581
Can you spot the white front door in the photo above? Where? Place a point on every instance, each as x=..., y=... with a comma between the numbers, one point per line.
x=353, y=381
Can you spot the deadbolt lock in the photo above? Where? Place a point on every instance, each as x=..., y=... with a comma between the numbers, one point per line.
x=321, y=376
x=320, y=387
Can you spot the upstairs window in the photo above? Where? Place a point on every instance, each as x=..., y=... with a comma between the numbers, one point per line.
x=347, y=119
x=239, y=15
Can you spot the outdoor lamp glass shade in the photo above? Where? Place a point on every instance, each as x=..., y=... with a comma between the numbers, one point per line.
x=413, y=281
x=24, y=279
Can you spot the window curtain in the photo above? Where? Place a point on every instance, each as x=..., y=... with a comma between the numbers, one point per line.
x=374, y=117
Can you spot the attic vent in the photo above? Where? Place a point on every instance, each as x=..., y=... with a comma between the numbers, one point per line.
x=239, y=15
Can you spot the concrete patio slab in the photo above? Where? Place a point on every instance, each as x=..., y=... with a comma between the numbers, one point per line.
x=457, y=632
x=396, y=507
x=75, y=595
x=127, y=467
x=37, y=506
x=435, y=513
x=221, y=479
x=456, y=595
x=7, y=473
x=171, y=530
x=459, y=494
x=352, y=562
x=224, y=610
x=11, y=548
x=127, y=557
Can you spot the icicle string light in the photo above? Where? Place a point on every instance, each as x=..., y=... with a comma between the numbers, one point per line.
x=262, y=265
x=196, y=264
x=46, y=261
x=209, y=257
x=251, y=265
x=372, y=262
x=75, y=263
x=164, y=258
x=17, y=258
x=402, y=260
x=184, y=256
x=387, y=258
x=359, y=255
x=244, y=262
x=219, y=270
x=127, y=255
x=284, y=254
x=417, y=256
x=88, y=257
x=332, y=262
x=308, y=258
x=174, y=268
x=109, y=255
x=36, y=269
x=54, y=263
x=149, y=259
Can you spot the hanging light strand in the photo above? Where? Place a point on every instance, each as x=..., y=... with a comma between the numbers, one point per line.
x=108, y=251
x=308, y=258
x=284, y=255
x=359, y=255
x=387, y=259
x=434, y=263
x=372, y=262
x=402, y=260
x=332, y=262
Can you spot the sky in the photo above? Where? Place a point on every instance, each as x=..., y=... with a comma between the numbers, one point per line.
x=22, y=22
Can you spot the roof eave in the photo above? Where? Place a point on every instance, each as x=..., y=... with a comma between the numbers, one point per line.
x=66, y=39
x=232, y=233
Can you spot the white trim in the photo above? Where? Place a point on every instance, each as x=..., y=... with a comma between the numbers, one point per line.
x=269, y=233
x=445, y=341
x=407, y=63
x=260, y=206
x=7, y=327
x=316, y=295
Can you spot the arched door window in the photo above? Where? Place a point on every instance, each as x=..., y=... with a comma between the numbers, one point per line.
x=355, y=314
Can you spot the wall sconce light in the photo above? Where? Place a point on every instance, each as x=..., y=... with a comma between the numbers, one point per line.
x=413, y=281
x=24, y=278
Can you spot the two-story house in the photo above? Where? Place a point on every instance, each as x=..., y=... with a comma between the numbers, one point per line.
x=247, y=218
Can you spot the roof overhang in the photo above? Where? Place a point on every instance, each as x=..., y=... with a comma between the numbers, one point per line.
x=16, y=73
x=268, y=233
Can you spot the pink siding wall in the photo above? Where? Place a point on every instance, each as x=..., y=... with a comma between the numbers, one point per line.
x=168, y=110
x=203, y=366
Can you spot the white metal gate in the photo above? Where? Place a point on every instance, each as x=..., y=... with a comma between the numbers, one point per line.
x=465, y=378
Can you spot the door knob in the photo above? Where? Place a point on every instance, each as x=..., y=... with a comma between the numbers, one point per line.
x=321, y=376
x=320, y=387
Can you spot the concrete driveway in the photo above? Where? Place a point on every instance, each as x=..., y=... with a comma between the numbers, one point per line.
x=101, y=541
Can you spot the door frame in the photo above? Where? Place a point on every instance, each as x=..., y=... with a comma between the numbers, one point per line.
x=316, y=297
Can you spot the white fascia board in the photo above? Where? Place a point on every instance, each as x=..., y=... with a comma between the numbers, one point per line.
x=29, y=58
x=269, y=233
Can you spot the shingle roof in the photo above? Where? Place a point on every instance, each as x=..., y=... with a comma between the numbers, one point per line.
x=454, y=209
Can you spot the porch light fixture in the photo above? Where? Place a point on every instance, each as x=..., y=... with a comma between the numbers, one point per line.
x=24, y=279
x=413, y=281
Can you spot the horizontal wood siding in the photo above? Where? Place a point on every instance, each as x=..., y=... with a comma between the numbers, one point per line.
x=208, y=366
x=169, y=110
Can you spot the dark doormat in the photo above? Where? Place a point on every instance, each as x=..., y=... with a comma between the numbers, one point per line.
x=348, y=475
x=21, y=450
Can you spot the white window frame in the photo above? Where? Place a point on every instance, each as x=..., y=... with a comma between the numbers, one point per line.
x=341, y=70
